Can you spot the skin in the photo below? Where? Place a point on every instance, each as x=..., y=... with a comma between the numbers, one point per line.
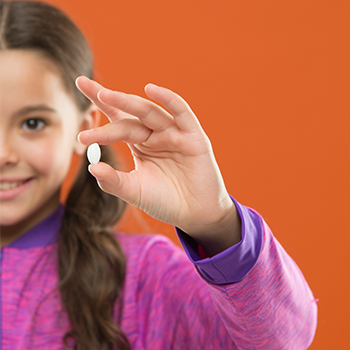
x=173, y=156
x=176, y=178
x=36, y=145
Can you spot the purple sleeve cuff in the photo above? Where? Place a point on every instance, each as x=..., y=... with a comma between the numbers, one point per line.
x=231, y=265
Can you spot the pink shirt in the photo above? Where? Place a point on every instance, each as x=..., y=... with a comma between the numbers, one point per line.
x=251, y=296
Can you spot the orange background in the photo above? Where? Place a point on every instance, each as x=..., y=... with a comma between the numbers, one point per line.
x=270, y=83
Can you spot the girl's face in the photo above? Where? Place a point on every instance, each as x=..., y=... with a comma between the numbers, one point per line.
x=38, y=134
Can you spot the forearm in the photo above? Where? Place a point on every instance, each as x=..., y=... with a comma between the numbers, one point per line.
x=259, y=291
x=272, y=307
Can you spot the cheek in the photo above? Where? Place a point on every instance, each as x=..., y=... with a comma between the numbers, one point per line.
x=50, y=157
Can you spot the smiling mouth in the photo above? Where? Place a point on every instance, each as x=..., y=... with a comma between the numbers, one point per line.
x=7, y=185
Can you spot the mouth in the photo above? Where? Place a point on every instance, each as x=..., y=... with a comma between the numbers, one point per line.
x=9, y=185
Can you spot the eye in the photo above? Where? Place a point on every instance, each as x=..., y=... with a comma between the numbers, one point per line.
x=33, y=124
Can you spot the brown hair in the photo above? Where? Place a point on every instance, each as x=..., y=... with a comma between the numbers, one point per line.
x=91, y=263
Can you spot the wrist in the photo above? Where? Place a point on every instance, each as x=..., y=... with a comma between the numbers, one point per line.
x=219, y=235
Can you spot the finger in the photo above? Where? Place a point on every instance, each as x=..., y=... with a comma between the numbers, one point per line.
x=151, y=115
x=90, y=89
x=129, y=130
x=184, y=117
x=123, y=185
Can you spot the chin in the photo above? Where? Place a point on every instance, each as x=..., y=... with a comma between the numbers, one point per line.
x=12, y=216
x=9, y=220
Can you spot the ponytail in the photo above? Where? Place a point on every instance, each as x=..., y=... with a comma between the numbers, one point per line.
x=91, y=263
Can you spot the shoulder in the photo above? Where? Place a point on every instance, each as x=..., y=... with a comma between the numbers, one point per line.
x=157, y=269
x=154, y=258
x=148, y=247
x=139, y=241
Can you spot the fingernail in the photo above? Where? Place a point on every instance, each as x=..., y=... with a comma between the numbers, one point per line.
x=105, y=90
x=85, y=131
x=99, y=178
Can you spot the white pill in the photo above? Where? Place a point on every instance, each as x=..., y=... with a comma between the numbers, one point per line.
x=94, y=153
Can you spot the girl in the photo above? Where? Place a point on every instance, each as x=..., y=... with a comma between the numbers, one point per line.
x=67, y=280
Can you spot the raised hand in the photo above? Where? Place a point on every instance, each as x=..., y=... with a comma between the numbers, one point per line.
x=176, y=178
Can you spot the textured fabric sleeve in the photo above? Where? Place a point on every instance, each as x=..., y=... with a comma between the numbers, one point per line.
x=175, y=309
x=260, y=293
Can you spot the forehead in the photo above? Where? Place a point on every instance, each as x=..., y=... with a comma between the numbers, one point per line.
x=28, y=77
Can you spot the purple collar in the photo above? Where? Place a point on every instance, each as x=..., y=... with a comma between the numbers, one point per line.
x=45, y=232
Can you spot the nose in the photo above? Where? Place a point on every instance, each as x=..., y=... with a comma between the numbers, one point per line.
x=8, y=153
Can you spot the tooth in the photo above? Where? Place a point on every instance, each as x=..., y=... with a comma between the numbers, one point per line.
x=8, y=185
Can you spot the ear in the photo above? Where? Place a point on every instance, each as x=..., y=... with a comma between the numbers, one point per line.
x=91, y=119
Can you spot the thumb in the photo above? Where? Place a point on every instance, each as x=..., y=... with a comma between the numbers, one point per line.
x=115, y=182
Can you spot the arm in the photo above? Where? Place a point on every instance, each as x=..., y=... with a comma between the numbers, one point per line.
x=177, y=180
x=262, y=296
x=251, y=296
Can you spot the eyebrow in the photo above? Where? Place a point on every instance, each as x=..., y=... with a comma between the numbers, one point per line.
x=36, y=108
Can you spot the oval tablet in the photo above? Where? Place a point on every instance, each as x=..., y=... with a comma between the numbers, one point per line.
x=94, y=153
